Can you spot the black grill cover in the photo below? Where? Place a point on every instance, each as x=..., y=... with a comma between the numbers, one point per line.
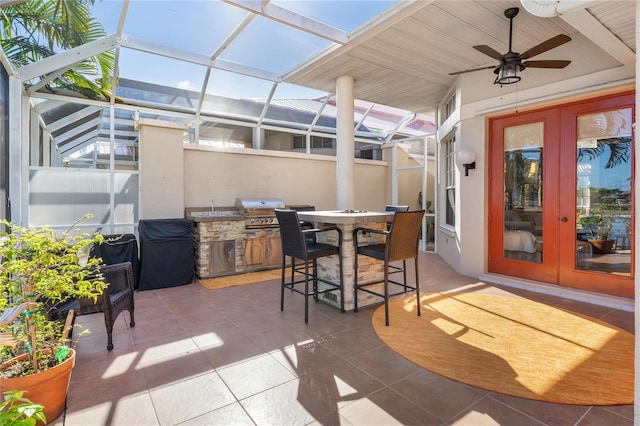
x=123, y=248
x=167, y=257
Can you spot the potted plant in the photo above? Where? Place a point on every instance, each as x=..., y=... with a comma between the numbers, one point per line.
x=16, y=410
x=38, y=270
x=599, y=223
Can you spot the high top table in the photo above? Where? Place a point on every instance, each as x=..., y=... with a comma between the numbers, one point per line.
x=328, y=268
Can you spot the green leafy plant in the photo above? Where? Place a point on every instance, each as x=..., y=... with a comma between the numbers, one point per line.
x=599, y=221
x=37, y=29
x=38, y=270
x=16, y=410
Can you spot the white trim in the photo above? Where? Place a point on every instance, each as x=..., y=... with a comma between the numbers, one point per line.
x=621, y=303
x=292, y=19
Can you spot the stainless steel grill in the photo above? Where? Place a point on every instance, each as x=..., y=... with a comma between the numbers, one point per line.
x=259, y=212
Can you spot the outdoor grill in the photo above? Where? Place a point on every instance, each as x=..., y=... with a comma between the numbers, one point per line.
x=259, y=212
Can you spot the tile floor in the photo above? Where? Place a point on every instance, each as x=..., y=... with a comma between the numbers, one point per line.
x=230, y=357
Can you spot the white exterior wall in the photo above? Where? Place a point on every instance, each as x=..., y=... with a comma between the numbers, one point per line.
x=224, y=175
x=466, y=248
x=472, y=200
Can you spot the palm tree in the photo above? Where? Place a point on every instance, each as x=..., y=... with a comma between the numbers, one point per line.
x=37, y=29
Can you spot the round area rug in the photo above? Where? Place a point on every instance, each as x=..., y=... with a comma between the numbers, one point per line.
x=513, y=346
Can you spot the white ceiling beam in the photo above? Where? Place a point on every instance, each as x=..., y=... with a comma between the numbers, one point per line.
x=71, y=118
x=319, y=113
x=195, y=58
x=292, y=19
x=234, y=34
x=123, y=133
x=7, y=63
x=593, y=30
x=77, y=144
x=116, y=57
x=46, y=106
x=80, y=130
x=52, y=76
x=265, y=108
x=66, y=59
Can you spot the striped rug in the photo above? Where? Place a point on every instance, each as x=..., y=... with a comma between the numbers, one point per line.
x=240, y=279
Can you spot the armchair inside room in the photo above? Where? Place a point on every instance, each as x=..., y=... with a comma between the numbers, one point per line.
x=117, y=298
x=401, y=244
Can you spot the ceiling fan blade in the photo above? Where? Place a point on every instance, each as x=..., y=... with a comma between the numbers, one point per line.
x=475, y=69
x=546, y=64
x=489, y=51
x=546, y=45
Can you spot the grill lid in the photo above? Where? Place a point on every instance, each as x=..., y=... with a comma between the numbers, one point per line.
x=244, y=204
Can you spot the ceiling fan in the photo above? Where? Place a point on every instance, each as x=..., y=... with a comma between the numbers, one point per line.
x=512, y=63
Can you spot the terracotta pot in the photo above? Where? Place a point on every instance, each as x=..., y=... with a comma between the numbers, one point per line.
x=602, y=246
x=48, y=387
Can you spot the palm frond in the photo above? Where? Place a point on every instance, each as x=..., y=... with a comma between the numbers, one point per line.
x=619, y=151
x=37, y=29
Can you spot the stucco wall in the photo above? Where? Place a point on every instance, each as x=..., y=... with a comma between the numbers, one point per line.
x=161, y=169
x=224, y=175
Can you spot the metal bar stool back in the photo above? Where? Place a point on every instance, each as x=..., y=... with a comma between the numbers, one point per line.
x=297, y=245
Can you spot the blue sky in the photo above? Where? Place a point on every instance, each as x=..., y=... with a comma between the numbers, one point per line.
x=201, y=26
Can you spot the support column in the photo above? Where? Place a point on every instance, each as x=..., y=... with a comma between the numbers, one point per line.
x=18, y=196
x=258, y=138
x=345, y=144
x=161, y=168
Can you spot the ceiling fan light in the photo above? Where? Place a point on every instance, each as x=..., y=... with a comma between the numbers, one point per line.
x=508, y=74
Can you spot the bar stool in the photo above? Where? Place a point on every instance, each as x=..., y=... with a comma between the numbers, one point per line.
x=297, y=245
x=401, y=243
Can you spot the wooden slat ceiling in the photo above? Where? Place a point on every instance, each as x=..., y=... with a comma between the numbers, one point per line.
x=407, y=64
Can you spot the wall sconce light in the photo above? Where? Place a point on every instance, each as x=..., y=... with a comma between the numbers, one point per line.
x=467, y=159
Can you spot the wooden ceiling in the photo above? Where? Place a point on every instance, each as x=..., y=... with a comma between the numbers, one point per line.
x=405, y=61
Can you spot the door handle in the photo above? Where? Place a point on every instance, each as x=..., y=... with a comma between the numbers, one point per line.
x=564, y=219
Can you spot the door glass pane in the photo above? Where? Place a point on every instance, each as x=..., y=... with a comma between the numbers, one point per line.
x=523, y=147
x=603, y=192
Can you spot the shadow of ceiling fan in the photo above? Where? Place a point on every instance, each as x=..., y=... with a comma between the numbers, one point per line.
x=512, y=63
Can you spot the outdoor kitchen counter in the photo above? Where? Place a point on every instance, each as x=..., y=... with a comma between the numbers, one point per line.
x=369, y=269
x=204, y=214
x=216, y=217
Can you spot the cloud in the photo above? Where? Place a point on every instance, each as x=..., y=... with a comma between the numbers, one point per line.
x=186, y=84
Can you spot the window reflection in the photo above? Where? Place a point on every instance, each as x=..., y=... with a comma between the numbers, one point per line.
x=523, y=230
x=603, y=192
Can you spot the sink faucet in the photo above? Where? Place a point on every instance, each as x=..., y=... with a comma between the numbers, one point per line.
x=213, y=207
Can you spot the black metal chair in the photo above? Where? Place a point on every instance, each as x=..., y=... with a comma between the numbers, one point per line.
x=391, y=208
x=401, y=243
x=303, y=224
x=116, y=298
x=297, y=245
